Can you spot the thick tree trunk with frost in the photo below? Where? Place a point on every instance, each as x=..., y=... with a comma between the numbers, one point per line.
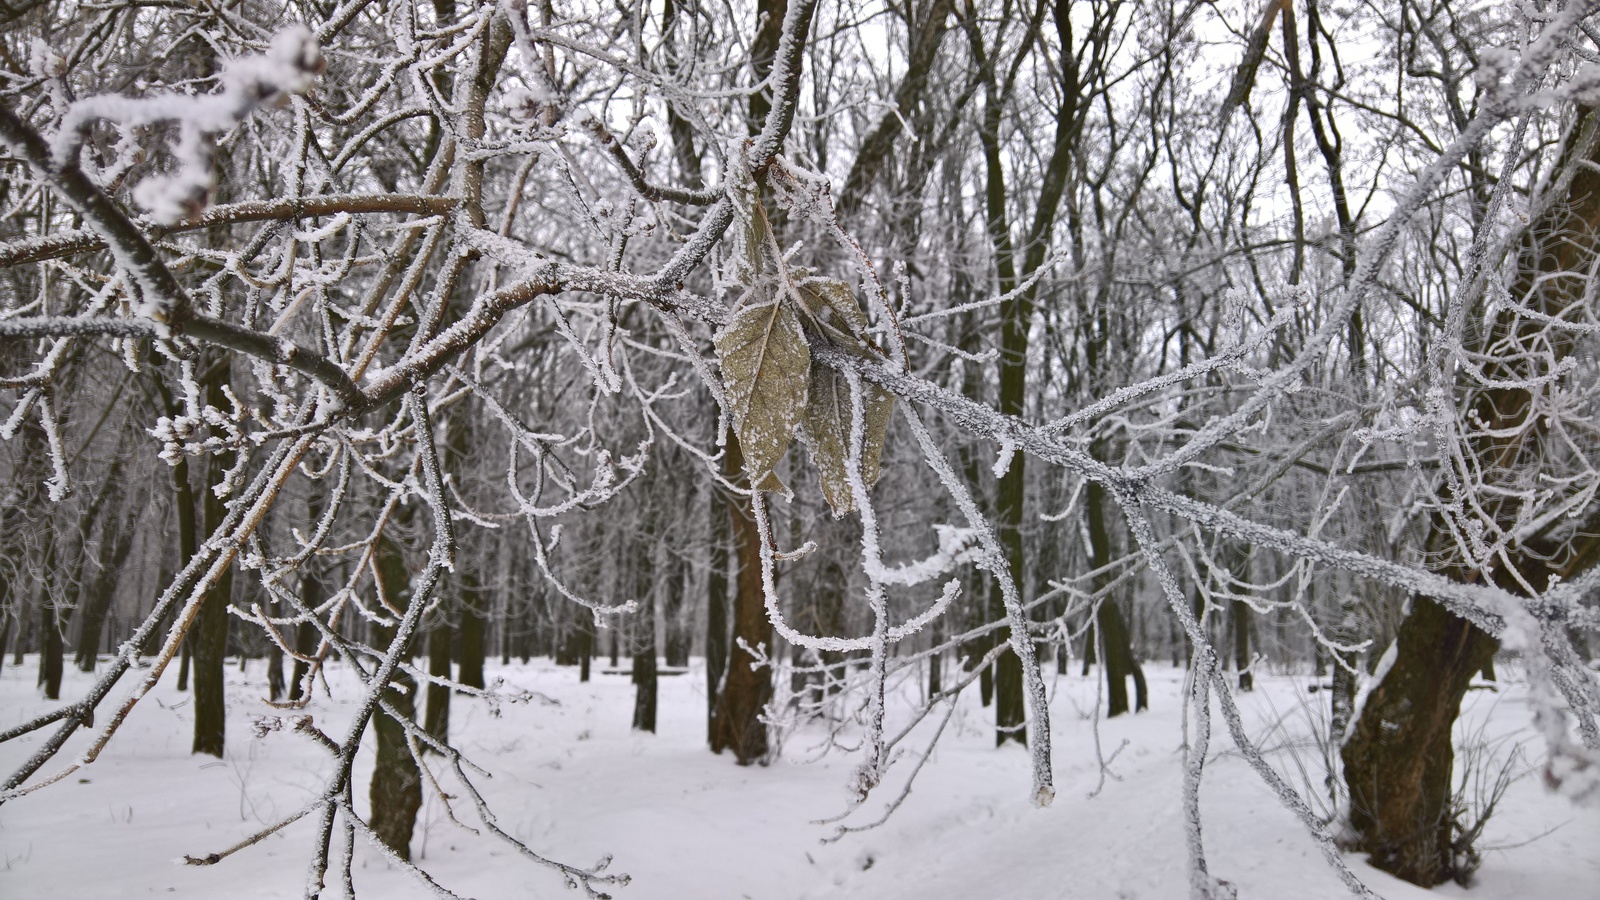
x=1398, y=761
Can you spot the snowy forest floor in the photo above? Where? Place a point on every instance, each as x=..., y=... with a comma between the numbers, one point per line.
x=576, y=783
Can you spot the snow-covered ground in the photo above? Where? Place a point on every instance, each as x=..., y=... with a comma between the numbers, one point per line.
x=572, y=780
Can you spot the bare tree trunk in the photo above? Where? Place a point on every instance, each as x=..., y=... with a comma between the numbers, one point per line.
x=54, y=610
x=643, y=627
x=472, y=622
x=676, y=628
x=1398, y=762
x=644, y=671
x=585, y=646
x=208, y=638
x=716, y=605
x=1014, y=263
x=436, y=718
x=275, y=685
x=396, y=790
x=737, y=725
x=183, y=504
x=1399, y=758
x=20, y=648
x=53, y=617
x=306, y=636
x=1109, y=627
x=1241, y=644
x=116, y=542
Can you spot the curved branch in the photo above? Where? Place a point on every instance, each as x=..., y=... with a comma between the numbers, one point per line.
x=88, y=240
x=201, y=328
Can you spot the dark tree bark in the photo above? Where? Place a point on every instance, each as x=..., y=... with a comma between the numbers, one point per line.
x=54, y=610
x=736, y=724
x=54, y=613
x=1110, y=631
x=975, y=586
x=1091, y=655
x=22, y=616
x=312, y=594
x=208, y=637
x=644, y=672
x=188, y=538
x=566, y=647
x=92, y=577
x=769, y=27
x=643, y=628
x=677, y=629
x=585, y=646
x=469, y=670
x=436, y=717
x=1239, y=621
x=1241, y=645
x=13, y=532
x=1080, y=66
x=735, y=721
x=116, y=542
x=275, y=684
x=505, y=617
x=716, y=606
x=96, y=600
x=396, y=790
x=305, y=634
x=1399, y=761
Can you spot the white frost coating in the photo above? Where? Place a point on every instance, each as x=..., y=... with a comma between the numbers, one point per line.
x=1002, y=463
x=1385, y=663
x=289, y=66
x=57, y=484
x=604, y=487
x=956, y=546
x=1496, y=108
x=8, y=428
x=994, y=560
x=1194, y=762
x=443, y=552
x=869, y=773
x=1205, y=656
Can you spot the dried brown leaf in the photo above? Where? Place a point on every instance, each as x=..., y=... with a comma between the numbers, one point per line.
x=827, y=433
x=765, y=370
